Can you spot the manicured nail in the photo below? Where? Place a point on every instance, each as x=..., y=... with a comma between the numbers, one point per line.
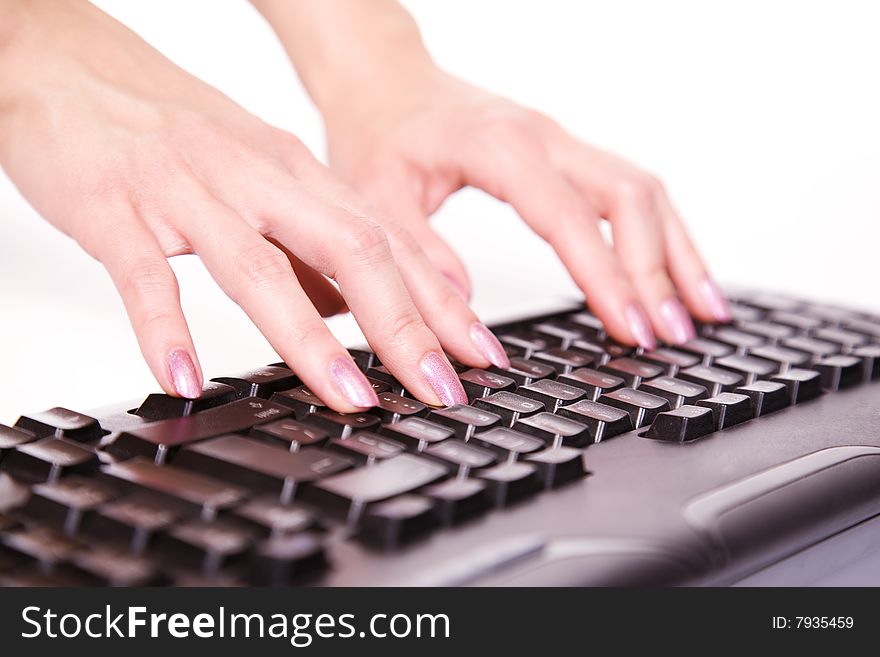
x=715, y=298
x=640, y=327
x=458, y=285
x=442, y=379
x=678, y=320
x=183, y=374
x=353, y=384
x=488, y=345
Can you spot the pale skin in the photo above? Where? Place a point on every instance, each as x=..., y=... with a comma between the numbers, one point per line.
x=139, y=161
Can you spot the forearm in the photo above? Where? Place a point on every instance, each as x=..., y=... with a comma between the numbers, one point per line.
x=344, y=48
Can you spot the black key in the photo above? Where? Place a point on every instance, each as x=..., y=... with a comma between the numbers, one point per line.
x=390, y=524
x=207, y=546
x=393, y=407
x=261, y=382
x=481, y=383
x=510, y=482
x=43, y=544
x=601, y=420
x=269, y=517
x=288, y=560
x=199, y=493
x=290, y=433
x=769, y=330
x=592, y=382
x=416, y=432
x=349, y=492
x=676, y=391
x=849, y=340
x=869, y=327
x=741, y=313
x=706, y=350
x=742, y=342
x=557, y=466
x=457, y=499
x=259, y=466
x=714, y=379
x=13, y=493
x=364, y=359
x=527, y=341
x=616, y=350
x=594, y=350
x=382, y=374
x=589, y=323
x=751, y=368
x=367, y=448
x=160, y=406
x=767, y=396
x=157, y=440
x=771, y=302
x=555, y=430
x=108, y=566
x=48, y=459
x=682, y=424
x=785, y=357
x=802, y=385
x=642, y=407
x=465, y=420
x=801, y=322
x=832, y=315
x=11, y=438
x=460, y=456
x=507, y=443
x=61, y=423
x=509, y=406
x=135, y=520
x=343, y=424
x=729, y=409
x=563, y=360
x=870, y=355
x=63, y=503
x=300, y=400
x=552, y=394
x=560, y=335
x=524, y=371
x=632, y=371
x=814, y=348
x=670, y=360
x=840, y=372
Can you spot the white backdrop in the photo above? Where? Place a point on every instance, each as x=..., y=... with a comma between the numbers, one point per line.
x=760, y=116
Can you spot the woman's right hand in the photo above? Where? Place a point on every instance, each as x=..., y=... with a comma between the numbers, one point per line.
x=139, y=161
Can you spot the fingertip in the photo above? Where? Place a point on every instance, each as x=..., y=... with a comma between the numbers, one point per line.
x=640, y=327
x=184, y=376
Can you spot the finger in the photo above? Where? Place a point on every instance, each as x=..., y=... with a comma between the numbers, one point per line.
x=321, y=292
x=149, y=290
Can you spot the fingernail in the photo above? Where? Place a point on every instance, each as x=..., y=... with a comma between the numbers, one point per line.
x=678, y=320
x=488, y=345
x=353, y=384
x=183, y=374
x=442, y=379
x=640, y=327
x=715, y=298
x=459, y=287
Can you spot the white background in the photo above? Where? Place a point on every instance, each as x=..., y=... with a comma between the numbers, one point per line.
x=760, y=116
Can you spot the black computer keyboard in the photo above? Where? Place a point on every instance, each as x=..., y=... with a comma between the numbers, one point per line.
x=258, y=483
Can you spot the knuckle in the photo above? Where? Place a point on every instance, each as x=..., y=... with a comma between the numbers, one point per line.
x=365, y=238
x=303, y=334
x=261, y=265
x=403, y=325
x=148, y=278
x=639, y=187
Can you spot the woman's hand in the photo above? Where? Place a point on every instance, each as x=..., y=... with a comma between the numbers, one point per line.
x=139, y=161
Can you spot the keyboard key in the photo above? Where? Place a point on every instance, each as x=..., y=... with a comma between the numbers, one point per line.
x=802, y=385
x=602, y=421
x=870, y=355
x=742, y=342
x=524, y=371
x=784, y=357
x=552, y=394
x=61, y=423
x=364, y=359
x=729, y=408
x=47, y=546
x=870, y=327
x=63, y=503
x=366, y=448
x=594, y=350
x=343, y=425
x=557, y=466
x=767, y=396
x=706, y=350
x=383, y=375
x=160, y=406
x=287, y=560
x=158, y=440
x=751, y=368
x=13, y=493
x=509, y=406
x=481, y=383
x=459, y=456
x=592, y=382
x=394, y=407
x=507, y=443
x=465, y=420
x=676, y=391
x=555, y=430
x=633, y=372
x=682, y=424
x=109, y=566
x=558, y=336
x=771, y=302
x=11, y=438
x=715, y=380
x=457, y=499
x=510, y=482
x=589, y=323
x=849, y=340
x=527, y=341
x=803, y=323
x=417, y=433
x=563, y=360
x=390, y=524
x=839, y=372
x=261, y=382
x=206, y=546
x=771, y=331
x=300, y=400
x=49, y=459
x=642, y=407
x=290, y=433
x=269, y=517
x=134, y=520
x=814, y=348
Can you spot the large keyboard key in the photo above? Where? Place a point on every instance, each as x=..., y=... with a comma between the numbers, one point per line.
x=729, y=409
x=814, y=348
x=706, y=350
x=751, y=368
x=393, y=407
x=802, y=385
x=563, y=360
x=11, y=438
x=481, y=383
x=524, y=371
x=552, y=394
x=767, y=396
x=465, y=420
x=367, y=448
x=390, y=524
x=670, y=360
x=715, y=380
x=642, y=406
x=739, y=340
x=261, y=382
x=288, y=560
x=849, y=340
x=300, y=400
x=257, y=465
x=159, y=406
x=632, y=371
x=525, y=342
x=202, y=494
x=48, y=459
x=507, y=443
x=601, y=420
x=509, y=406
x=457, y=499
x=349, y=492
x=206, y=546
x=63, y=503
x=157, y=440
x=459, y=456
x=556, y=466
x=61, y=423
x=269, y=517
x=592, y=382
x=134, y=520
x=676, y=391
x=870, y=355
x=840, y=372
x=509, y=482
x=417, y=433
x=785, y=358
x=290, y=433
x=555, y=430
x=343, y=425
x=682, y=424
